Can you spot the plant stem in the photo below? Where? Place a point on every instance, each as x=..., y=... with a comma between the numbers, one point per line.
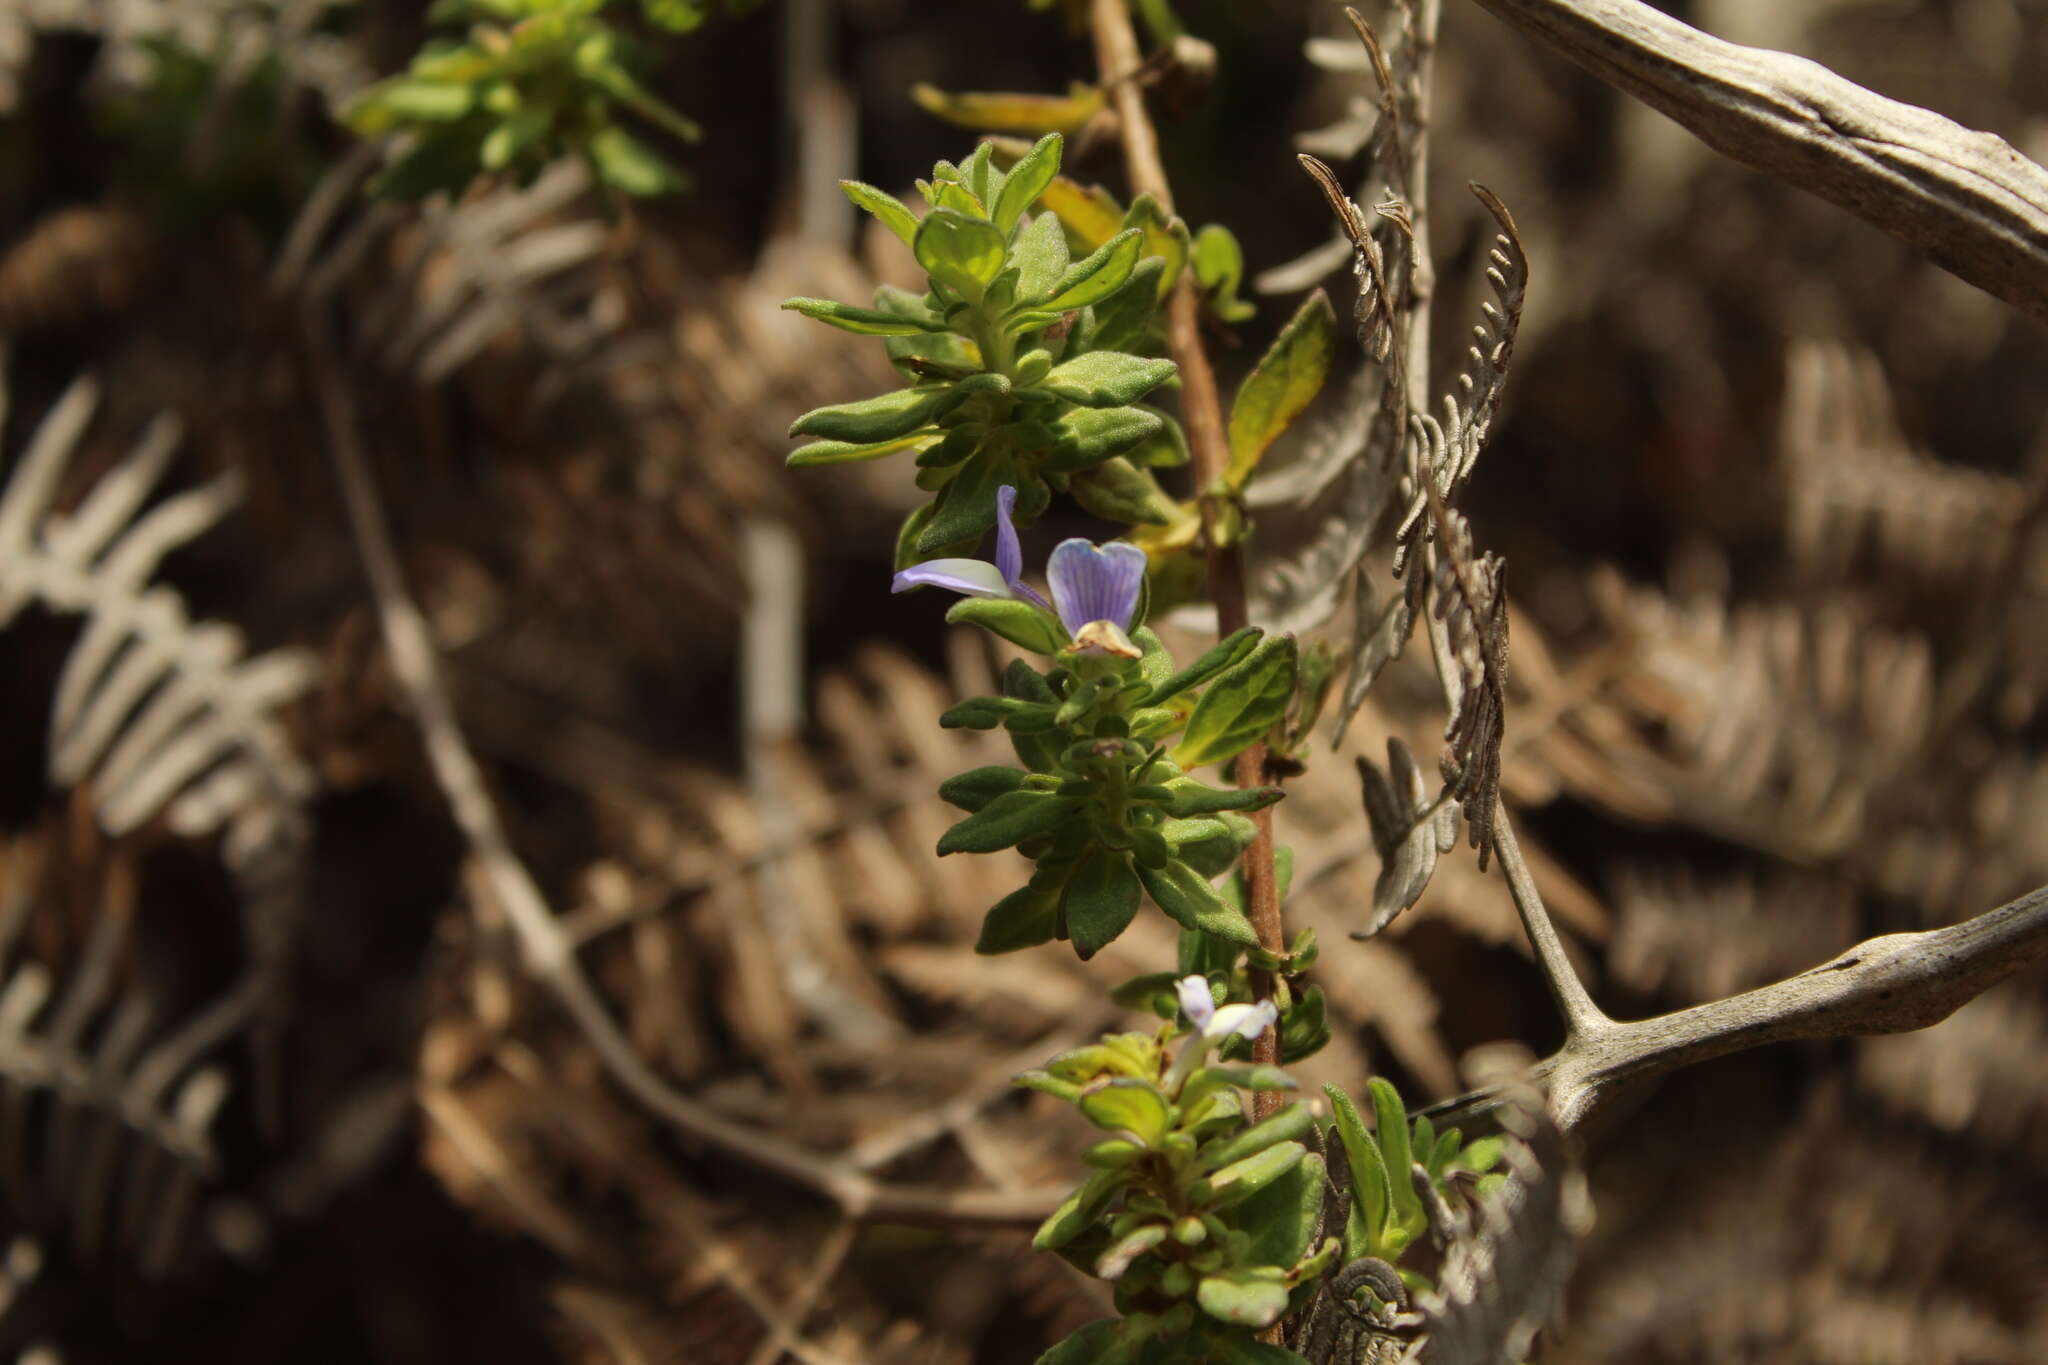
x=1116, y=58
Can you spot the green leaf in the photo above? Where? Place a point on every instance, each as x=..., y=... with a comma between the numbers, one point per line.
x=1117, y=490
x=976, y=787
x=1025, y=918
x=1106, y=379
x=1251, y=1174
x=1391, y=1118
x=1253, y=1077
x=1096, y=276
x=871, y=322
x=1190, y=797
x=1187, y=896
x=1213, y=660
x=1007, y=113
x=1088, y=436
x=1212, y=844
x=1026, y=181
x=626, y=163
x=1219, y=269
x=892, y=212
x=1289, y=375
x=1242, y=1350
x=385, y=106
x=966, y=509
x=886, y=416
x=1164, y=236
x=1282, y=1217
x=1240, y=705
x=1304, y=1029
x=986, y=713
x=1371, y=1197
x=1078, y=1211
x=1019, y=622
x=963, y=253
x=1242, y=1298
x=1114, y=1262
x=1123, y=321
x=1125, y=1104
x=1040, y=255
x=1287, y=1125
x=1101, y=901
x=1022, y=681
x=1008, y=820
x=1481, y=1155
x=819, y=453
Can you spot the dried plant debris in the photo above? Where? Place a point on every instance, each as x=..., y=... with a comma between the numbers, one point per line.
x=1469, y=627
x=1409, y=830
x=1504, y=1275
x=164, y=715
x=1693, y=935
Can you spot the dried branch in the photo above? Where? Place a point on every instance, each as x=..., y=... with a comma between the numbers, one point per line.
x=1966, y=198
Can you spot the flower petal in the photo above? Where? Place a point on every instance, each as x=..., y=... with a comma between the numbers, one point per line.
x=969, y=577
x=1195, y=1000
x=1009, y=557
x=1246, y=1021
x=1095, y=583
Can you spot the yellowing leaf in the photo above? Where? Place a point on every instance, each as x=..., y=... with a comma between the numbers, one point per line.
x=1286, y=378
x=1012, y=113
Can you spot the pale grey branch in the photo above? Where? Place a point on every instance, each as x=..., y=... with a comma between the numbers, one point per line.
x=1966, y=198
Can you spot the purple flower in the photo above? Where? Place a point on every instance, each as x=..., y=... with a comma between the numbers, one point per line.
x=1094, y=587
x=978, y=577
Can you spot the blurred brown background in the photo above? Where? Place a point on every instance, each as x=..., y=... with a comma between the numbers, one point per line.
x=1768, y=484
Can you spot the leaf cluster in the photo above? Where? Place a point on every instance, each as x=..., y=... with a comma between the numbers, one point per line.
x=533, y=81
x=1024, y=359
x=1386, y=1212
x=1107, y=811
x=1205, y=1221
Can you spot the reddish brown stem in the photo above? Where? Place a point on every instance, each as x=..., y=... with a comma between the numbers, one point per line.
x=1117, y=59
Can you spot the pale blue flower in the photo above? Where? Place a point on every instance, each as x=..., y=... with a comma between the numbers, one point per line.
x=978, y=577
x=1214, y=1023
x=1095, y=588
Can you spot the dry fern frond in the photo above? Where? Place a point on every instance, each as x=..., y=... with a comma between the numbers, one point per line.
x=1767, y=724
x=1701, y=937
x=162, y=714
x=1973, y=1076
x=1852, y=481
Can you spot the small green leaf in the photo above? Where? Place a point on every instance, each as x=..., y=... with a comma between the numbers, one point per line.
x=1371, y=1197
x=893, y=213
x=1040, y=255
x=1242, y=1298
x=1240, y=705
x=1123, y=321
x=1125, y=1104
x=1289, y=375
x=1022, y=681
x=1087, y=436
x=1026, y=181
x=1078, y=1211
x=819, y=453
x=1117, y=490
x=1287, y=1125
x=1107, y=379
x=1164, y=236
x=1025, y=918
x=961, y=252
x=386, y=105
x=1187, y=896
x=1113, y=1154
x=1101, y=901
x=1007, y=821
x=1096, y=276
x=1391, y=1119
x=1282, y=1217
x=1304, y=1029
x=1042, y=1081
x=1021, y=623
x=986, y=713
x=1212, y=661
x=626, y=163
x=1481, y=1155
x=1190, y=797
x=1115, y=1261
x=1212, y=844
x=1253, y=1077
x=1112, y=1341
x=886, y=416
x=976, y=787
x=865, y=321
x=1219, y=269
